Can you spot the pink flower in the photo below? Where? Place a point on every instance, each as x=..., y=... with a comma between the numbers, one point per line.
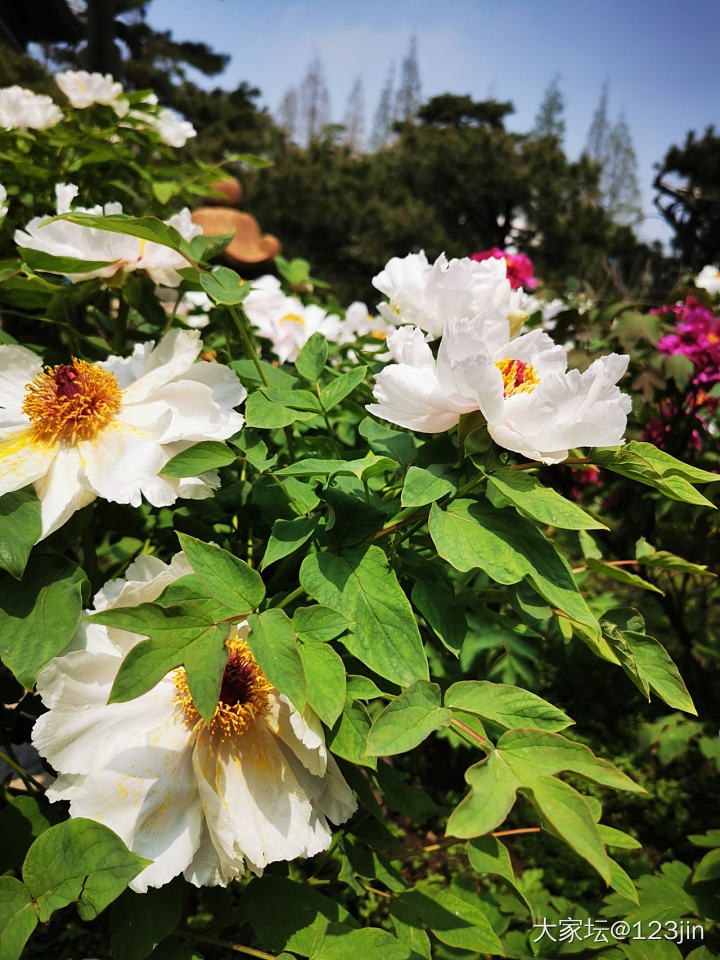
x=519, y=267
x=696, y=336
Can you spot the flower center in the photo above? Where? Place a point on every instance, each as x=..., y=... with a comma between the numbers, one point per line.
x=244, y=694
x=292, y=318
x=518, y=377
x=71, y=402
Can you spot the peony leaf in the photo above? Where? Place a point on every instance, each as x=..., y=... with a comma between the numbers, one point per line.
x=542, y=503
x=287, y=536
x=336, y=391
x=326, y=682
x=443, y=613
x=20, y=528
x=453, y=919
x=409, y=720
x=39, y=615
x=348, y=737
x=318, y=624
x=139, y=921
x=312, y=358
x=272, y=641
x=505, y=705
x=203, y=456
x=422, y=486
x=79, y=860
x=370, y=943
x=228, y=578
x=361, y=583
x=18, y=918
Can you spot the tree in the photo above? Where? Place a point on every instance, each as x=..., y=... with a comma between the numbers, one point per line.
x=314, y=101
x=288, y=113
x=384, y=115
x=550, y=118
x=355, y=117
x=688, y=185
x=407, y=99
x=610, y=147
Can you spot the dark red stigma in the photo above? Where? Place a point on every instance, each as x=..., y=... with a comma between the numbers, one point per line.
x=236, y=682
x=67, y=381
x=519, y=373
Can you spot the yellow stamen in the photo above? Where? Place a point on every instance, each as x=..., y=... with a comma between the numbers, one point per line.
x=518, y=376
x=244, y=694
x=292, y=318
x=71, y=402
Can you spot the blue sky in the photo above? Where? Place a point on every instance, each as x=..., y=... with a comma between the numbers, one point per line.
x=659, y=56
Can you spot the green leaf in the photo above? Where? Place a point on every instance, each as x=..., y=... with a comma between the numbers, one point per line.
x=206, y=455
x=20, y=528
x=443, y=613
x=296, y=399
x=362, y=584
x=621, y=575
x=421, y=487
x=325, y=672
x=48, y=263
x=616, y=838
x=650, y=557
x=190, y=590
x=493, y=788
x=336, y=391
x=287, y=536
x=79, y=860
x=312, y=358
x=138, y=922
x=349, y=735
x=39, y=615
x=409, y=720
x=229, y=579
x=454, y=920
x=621, y=882
x=505, y=705
x=569, y=815
x=17, y=917
x=318, y=624
x=225, y=286
x=488, y=855
x=531, y=752
x=272, y=641
x=472, y=535
x=541, y=503
x=370, y=943
x=177, y=636
x=648, y=464
x=386, y=441
x=656, y=667
x=147, y=228
x=362, y=688
x=261, y=412
x=303, y=919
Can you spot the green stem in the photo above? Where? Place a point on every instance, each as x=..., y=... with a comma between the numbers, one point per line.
x=121, y=327
x=295, y=595
x=227, y=944
x=90, y=559
x=26, y=778
x=467, y=733
x=247, y=343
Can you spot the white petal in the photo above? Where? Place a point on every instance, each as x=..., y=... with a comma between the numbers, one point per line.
x=173, y=356
x=144, y=581
x=22, y=461
x=302, y=735
x=119, y=462
x=412, y=398
x=61, y=491
x=18, y=367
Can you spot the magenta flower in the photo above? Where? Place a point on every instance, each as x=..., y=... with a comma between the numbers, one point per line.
x=696, y=336
x=519, y=267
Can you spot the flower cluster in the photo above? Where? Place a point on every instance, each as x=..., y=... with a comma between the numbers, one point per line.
x=22, y=109
x=520, y=270
x=696, y=336
x=532, y=404
x=253, y=786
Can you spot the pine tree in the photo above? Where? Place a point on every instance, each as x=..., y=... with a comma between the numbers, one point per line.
x=550, y=118
x=355, y=117
x=596, y=144
x=314, y=101
x=288, y=113
x=408, y=96
x=385, y=113
x=619, y=180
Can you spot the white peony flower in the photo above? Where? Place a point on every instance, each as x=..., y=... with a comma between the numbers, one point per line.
x=64, y=239
x=21, y=109
x=171, y=129
x=83, y=89
x=709, y=279
x=359, y=322
x=84, y=430
x=430, y=295
x=524, y=305
x=532, y=405
x=254, y=786
x=3, y=204
x=286, y=321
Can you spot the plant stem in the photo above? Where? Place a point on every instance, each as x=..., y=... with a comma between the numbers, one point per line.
x=469, y=732
x=227, y=944
x=90, y=560
x=247, y=342
x=26, y=778
x=297, y=592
